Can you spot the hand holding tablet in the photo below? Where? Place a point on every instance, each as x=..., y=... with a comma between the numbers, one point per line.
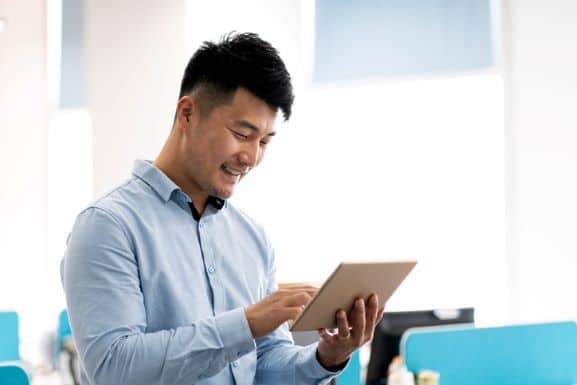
x=349, y=281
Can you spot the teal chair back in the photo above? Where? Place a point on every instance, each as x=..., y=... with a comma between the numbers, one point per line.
x=13, y=375
x=537, y=354
x=63, y=328
x=352, y=374
x=9, y=337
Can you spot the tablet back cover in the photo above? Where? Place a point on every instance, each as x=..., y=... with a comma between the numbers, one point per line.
x=349, y=281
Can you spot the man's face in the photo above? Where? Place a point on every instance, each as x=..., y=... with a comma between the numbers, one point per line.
x=223, y=146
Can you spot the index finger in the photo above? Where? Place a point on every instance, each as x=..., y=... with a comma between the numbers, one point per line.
x=297, y=299
x=299, y=287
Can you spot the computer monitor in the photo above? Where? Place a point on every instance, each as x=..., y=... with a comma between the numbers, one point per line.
x=388, y=333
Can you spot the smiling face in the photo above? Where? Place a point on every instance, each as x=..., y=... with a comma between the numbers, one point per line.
x=219, y=147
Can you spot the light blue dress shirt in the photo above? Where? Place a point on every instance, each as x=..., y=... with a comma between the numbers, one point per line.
x=156, y=297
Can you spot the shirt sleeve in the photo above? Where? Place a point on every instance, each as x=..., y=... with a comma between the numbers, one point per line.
x=108, y=318
x=280, y=361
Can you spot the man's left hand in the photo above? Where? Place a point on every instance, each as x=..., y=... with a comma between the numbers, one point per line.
x=335, y=348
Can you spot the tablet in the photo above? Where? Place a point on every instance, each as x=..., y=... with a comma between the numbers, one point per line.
x=349, y=281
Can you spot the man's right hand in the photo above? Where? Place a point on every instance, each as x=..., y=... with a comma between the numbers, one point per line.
x=283, y=305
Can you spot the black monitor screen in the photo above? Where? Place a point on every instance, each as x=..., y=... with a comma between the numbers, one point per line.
x=385, y=344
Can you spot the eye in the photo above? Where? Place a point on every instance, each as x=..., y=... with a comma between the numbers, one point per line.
x=239, y=135
x=264, y=143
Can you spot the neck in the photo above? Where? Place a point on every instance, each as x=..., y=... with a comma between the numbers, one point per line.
x=169, y=162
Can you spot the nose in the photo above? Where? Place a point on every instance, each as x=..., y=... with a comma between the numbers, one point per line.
x=251, y=154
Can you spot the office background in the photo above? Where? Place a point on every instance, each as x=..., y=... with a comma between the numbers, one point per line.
x=468, y=164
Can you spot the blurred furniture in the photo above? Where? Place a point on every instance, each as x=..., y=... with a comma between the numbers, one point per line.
x=352, y=374
x=13, y=375
x=63, y=332
x=537, y=354
x=66, y=354
x=387, y=339
x=9, y=336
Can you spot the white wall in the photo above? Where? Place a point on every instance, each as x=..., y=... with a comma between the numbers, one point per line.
x=23, y=163
x=439, y=199
x=279, y=22
x=382, y=169
x=393, y=170
x=541, y=80
x=135, y=55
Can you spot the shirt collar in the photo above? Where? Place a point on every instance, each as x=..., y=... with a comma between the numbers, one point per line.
x=162, y=184
x=155, y=178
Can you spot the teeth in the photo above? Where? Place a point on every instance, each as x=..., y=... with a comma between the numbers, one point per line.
x=231, y=171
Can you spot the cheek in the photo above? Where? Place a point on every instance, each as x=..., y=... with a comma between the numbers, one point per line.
x=219, y=151
x=226, y=150
x=260, y=156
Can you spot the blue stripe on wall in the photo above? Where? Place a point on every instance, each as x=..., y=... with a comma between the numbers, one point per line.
x=72, y=65
x=381, y=38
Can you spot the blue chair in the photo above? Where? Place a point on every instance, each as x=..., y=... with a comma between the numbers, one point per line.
x=63, y=331
x=13, y=375
x=352, y=374
x=535, y=354
x=63, y=335
x=9, y=336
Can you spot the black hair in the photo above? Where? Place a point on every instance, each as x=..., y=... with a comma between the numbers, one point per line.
x=239, y=60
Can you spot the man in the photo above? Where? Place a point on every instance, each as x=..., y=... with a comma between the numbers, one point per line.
x=168, y=283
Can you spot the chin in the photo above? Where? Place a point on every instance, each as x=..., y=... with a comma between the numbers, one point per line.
x=222, y=193
x=226, y=195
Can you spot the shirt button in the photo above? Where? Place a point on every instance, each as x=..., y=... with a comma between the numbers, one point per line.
x=235, y=364
x=211, y=269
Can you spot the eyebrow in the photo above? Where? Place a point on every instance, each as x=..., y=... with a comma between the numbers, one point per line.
x=252, y=127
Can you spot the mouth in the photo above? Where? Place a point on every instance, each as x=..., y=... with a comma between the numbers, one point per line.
x=233, y=174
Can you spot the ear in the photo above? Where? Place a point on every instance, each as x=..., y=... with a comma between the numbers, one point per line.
x=187, y=112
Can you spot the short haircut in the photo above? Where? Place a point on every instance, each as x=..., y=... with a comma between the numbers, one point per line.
x=217, y=70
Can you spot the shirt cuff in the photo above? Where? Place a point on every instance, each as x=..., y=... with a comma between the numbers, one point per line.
x=312, y=365
x=235, y=334
x=333, y=369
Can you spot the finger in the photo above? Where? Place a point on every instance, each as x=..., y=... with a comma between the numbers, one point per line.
x=371, y=331
x=299, y=299
x=298, y=286
x=284, y=294
x=312, y=290
x=371, y=311
x=290, y=313
x=380, y=314
x=358, y=321
x=372, y=314
x=343, y=325
x=372, y=305
x=326, y=335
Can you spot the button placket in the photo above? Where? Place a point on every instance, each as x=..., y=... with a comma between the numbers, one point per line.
x=210, y=265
